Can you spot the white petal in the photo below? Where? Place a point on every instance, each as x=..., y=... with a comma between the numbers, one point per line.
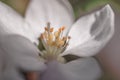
x=13, y=23
x=57, y=12
x=91, y=33
x=10, y=21
x=81, y=69
x=20, y=55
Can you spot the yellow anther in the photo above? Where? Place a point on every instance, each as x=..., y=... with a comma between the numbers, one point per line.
x=50, y=37
x=51, y=29
x=54, y=38
x=64, y=38
x=61, y=43
x=46, y=29
x=60, y=30
x=63, y=28
x=56, y=34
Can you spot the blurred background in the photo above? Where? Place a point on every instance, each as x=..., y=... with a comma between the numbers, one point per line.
x=109, y=57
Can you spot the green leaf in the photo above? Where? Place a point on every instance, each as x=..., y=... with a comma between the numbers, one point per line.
x=84, y=6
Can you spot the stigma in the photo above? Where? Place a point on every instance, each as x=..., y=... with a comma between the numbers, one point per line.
x=54, y=43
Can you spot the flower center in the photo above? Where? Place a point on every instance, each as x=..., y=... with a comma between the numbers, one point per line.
x=54, y=43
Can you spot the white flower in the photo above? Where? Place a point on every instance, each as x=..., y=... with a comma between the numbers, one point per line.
x=89, y=35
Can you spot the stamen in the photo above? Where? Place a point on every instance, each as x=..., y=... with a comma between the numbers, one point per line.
x=63, y=27
x=54, y=41
x=46, y=29
x=51, y=29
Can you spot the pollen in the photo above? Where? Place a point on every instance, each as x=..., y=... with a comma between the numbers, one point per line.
x=53, y=41
x=54, y=38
